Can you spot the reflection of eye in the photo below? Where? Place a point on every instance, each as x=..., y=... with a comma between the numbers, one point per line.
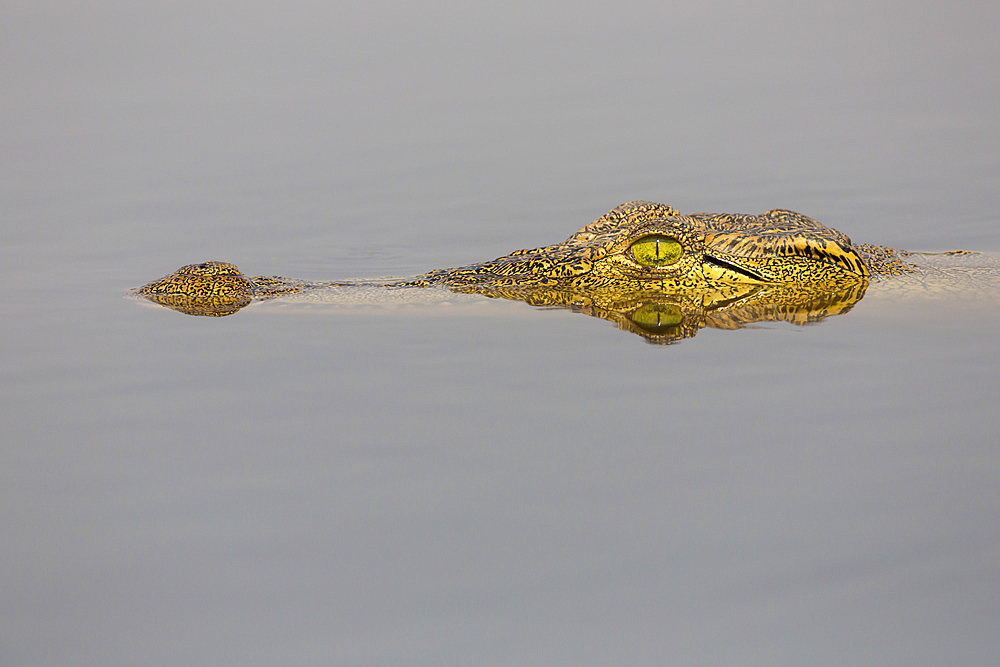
x=656, y=250
x=657, y=318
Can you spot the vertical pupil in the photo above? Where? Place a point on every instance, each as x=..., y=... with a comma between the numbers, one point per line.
x=656, y=250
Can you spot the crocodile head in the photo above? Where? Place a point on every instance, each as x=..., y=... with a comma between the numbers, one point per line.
x=642, y=264
x=648, y=246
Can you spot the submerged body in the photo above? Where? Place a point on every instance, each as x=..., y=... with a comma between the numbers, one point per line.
x=643, y=265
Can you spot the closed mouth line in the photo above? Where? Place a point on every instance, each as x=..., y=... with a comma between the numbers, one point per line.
x=738, y=269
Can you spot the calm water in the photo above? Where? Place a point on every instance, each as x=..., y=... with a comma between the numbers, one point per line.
x=494, y=484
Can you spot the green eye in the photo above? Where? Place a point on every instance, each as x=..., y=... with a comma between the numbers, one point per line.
x=656, y=250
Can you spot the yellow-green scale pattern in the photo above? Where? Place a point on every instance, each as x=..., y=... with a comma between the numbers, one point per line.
x=619, y=251
x=637, y=247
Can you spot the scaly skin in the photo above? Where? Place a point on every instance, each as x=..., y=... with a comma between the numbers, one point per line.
x=213, y=288
x=777, y=247
x=643, y=265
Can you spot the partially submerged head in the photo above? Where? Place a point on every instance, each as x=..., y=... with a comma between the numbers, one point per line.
x=644, y=245
x=208, y=288
x=205, y=279
x=636, y=247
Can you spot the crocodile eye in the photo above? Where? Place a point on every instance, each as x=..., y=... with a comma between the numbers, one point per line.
x=656, y=250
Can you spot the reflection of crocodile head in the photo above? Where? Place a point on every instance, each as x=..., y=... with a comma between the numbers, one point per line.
x=643, y=265
x=660, y=320
x=663, y=317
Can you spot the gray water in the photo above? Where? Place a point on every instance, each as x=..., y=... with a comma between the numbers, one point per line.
x=500, y=484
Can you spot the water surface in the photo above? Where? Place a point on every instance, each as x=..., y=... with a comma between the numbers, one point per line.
x=496, y=484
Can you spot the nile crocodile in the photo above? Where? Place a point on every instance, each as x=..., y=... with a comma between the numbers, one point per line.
x=643, y=265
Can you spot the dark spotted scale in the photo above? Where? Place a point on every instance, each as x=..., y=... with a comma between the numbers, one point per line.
x=778, y=247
